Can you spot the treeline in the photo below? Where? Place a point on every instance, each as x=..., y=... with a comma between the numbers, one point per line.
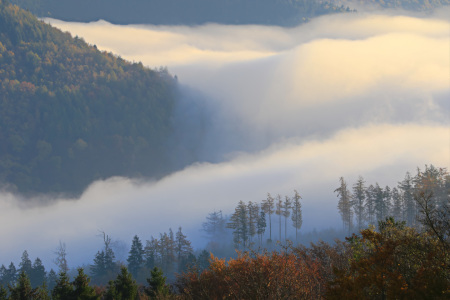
x=367, y=205
x=70, y=114
x=177, y=12
x=411, y=5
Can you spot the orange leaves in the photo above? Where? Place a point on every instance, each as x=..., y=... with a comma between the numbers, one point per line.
x=254, y=276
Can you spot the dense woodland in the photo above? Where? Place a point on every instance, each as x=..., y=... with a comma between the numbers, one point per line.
x=70, y=114
x=404, y=257
x=176, y=12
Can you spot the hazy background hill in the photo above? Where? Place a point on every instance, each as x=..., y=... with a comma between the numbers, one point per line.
x=71, y=114
x=175, y=12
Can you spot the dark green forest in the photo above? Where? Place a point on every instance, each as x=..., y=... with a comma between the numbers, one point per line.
x=401, y=253
x=176, y=12
x=70, y=114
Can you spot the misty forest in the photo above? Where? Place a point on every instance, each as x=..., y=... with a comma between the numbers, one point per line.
x=233, y=149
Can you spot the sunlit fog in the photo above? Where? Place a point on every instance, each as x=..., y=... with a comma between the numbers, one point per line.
x=265, y=109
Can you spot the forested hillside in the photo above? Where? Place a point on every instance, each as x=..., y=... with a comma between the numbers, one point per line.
x=70, y=114
x=190, y=12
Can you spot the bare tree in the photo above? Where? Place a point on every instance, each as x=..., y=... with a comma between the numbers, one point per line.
x=60, y=259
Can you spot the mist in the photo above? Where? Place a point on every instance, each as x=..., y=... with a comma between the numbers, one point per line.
x=266, y=109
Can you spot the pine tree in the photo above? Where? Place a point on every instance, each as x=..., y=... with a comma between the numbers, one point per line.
x=359, y=198
x=279, y=211
x=167, y=251
x=38, y=274
x=252, y=209
x=151, y=253
x=267, y=207
x=183, y=249
x=379, y=202
x=261, y=226
x=397, y=205
x=345, y=205
x=370, y=205
x=63, y=289
x=239, y=224
x=52, y=279
x=406, y=186
x=3, y=293
x=286, y=211
x=296, y=217
x=214, y=227
x=157, y=288
x=22, y=290
x=124, y=287
x=136, y=256
x=25, y=265
x=82, y=290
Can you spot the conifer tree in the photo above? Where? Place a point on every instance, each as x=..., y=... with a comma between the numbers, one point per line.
x=214, y=227
x=25, y=265
x=279, y=211
x=82, y=290
x=261, y=226
x=286, y=211
x=345, y=205
x=63, y=289
x=406, y=186
x=38, y=274
x=183, y=249
x=296, y=217
x=151, y=253
x=370, y=204
x=52, y=279
x=267, y=207
x=22, y=290
x=359, y=199
x=3, y=293
x=136, y=256
x=157, y=288
x=239, y=224
x=397, y=205
x=379, y=202
x=252, y=209
x=124, y=287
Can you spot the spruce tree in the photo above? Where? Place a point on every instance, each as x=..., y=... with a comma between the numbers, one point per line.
x=38, y=274
x=183, y=249
x=345, y=205
x=359, y=201
x=286, y=211
x=63, y=289
x=82, y=290
x=296, y=217
x=124, y=287
x=267, y=207
x=239, y=224
x=157, y=288
x=136, y=258
x=22, y=290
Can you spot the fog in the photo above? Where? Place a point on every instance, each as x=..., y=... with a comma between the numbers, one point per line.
x=267, y=109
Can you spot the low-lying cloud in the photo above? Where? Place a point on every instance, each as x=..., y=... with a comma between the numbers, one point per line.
x=286, y=108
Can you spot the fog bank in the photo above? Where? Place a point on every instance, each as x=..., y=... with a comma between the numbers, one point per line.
x=269, y=109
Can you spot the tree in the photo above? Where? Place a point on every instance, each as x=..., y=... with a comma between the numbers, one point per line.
x=63, y=289
x=286, y=211
x=267, y=207
x=279, y=211
x=38, y=274
x=157, y=285
x=25, y=265
x=408, y=199
x=239, y=224
x=345, y=205
x=397, y=205
x=124, y=287
x=359, y=197
x=136, y=258
x=183, y=249
x=261, y=226
x=82, y=290
x=296, y=217
x=214, y=227
x=252, y=209
x=370, y=204
x=60, y=259
x=52, y=279
x=22, y=290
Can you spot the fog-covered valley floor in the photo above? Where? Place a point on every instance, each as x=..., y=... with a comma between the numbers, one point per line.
x=267, y=109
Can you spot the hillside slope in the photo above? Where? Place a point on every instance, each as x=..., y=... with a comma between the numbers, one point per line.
x=70, y=114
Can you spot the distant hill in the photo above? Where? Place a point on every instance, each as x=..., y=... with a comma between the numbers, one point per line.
x=70, y=114
x=186, y=12
x=409, y=5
